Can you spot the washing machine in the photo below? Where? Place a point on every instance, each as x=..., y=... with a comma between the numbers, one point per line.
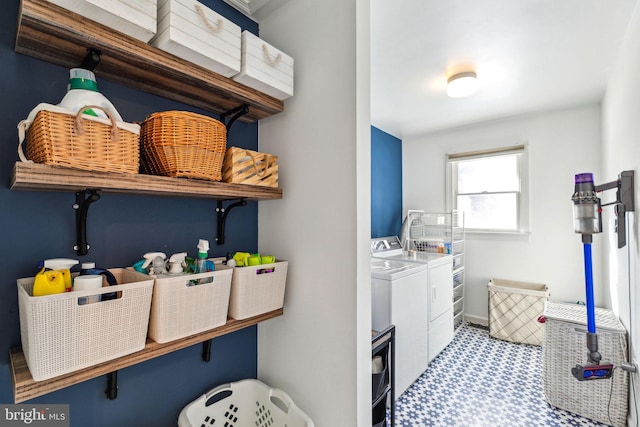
x=439, y=285
x=399, y=297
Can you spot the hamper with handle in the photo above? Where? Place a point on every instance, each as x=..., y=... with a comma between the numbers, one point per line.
x=183, y=144
x=241, y=404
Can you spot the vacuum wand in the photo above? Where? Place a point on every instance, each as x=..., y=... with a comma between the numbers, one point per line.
x=587, y=221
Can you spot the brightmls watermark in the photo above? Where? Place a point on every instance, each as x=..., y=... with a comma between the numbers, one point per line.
x=34, y=415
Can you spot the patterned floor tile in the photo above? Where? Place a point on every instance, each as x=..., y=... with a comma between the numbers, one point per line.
x=479, y=381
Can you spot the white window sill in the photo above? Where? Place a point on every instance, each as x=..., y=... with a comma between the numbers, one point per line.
x=512, y=236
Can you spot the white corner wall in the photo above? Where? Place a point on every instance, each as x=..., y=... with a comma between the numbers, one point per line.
x=621, y=125
x=320, y=350
x=560, y=144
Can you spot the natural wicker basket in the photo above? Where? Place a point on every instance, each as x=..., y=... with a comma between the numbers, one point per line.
x=74, y=140
x=183, y=144
x=250, y=167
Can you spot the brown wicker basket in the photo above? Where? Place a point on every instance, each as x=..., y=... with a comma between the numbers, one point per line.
x=77, y=141
x=183, y=144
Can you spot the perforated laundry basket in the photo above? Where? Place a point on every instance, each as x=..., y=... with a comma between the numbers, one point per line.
x=564, y=347
x=514, y=308
x=242, y=404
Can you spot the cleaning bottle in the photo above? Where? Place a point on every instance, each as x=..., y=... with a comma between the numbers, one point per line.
x=63, y=265
x=177, y=263
x=89, y=268
x=48, y=282
x=202, y=264
x=83, y=91
x=155, y=263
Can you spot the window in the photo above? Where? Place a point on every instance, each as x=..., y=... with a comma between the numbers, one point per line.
x=490, y=188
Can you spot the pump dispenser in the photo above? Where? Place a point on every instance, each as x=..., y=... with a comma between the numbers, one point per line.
x=83, y=91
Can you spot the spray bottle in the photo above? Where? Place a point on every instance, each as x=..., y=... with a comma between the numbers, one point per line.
x=63, y=265
x=155, y=261
x=177, y=263
x=202, y=264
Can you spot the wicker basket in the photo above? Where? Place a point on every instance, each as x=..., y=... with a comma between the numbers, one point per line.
x=56, y=136
x=250, y=167
x=183, y=144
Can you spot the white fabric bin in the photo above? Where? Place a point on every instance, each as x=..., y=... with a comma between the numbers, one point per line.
x=514, y=308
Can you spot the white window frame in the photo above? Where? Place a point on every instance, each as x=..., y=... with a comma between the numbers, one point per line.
x=523, y=194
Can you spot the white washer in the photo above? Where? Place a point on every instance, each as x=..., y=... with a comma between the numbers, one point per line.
x=439, y=288
x=398, y=296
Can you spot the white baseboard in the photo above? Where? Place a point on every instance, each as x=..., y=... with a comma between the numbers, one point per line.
x=477, y=320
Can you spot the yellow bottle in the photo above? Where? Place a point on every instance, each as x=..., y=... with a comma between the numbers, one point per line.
x=62, y=265
x=48, y=282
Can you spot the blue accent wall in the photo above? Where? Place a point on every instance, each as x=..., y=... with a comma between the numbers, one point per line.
x=121, y=228
x=386, y=184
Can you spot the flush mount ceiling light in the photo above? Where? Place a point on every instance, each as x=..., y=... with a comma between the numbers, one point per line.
x=462, y=84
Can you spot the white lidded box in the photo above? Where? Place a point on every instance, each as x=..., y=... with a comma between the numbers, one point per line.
x=136, y=18
x=191, y=31
x=257, y=289
x=265, y=68
x=181, y=308
x=59, y=335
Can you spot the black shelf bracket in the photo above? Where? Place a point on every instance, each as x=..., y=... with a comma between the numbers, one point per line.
x=206, y=350
x=82, y=208
x=92, y=59
x=112, y=385
x=235, y=114
x=222, y=213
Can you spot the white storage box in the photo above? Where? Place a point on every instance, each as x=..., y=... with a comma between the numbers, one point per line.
x=265, y=68
x=60, y=336
x=180, y=309
x=191, y=31
x=257, y=289
x=244, y=403
x=514, y=308
x=136, y=18
x=564, y=347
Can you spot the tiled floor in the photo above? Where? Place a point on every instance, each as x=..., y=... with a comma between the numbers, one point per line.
x=482, y=382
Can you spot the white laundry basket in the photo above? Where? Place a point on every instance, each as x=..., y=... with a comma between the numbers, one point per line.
x=242, y=404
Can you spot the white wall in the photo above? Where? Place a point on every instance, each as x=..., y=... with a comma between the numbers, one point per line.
x=621, y=125
x=320, y=350
x=560, y=144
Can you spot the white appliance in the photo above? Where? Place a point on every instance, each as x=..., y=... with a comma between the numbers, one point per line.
x=398, y=296
x=439, y=284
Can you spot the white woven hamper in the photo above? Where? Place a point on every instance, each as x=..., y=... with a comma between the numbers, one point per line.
x=564, y=347
x=514, y=308
x=179, y=309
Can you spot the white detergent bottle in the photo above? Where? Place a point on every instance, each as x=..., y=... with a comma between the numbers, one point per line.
x=83, y=91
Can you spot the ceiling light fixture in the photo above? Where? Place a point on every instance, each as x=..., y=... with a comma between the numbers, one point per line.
x=462, y=84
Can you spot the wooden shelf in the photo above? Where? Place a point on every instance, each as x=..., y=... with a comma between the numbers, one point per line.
x=25, y=388
x=36, y=176
x=56, y=35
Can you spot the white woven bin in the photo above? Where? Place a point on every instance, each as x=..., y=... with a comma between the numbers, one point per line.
x=242, y=404
x=60, y=336
x=564, y=347
x=257, y=289
x=514, y=308
x=179, y=309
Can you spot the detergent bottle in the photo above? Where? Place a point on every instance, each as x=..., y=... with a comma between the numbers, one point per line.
x=48, y=282
x=83, y=91
x=89, y=268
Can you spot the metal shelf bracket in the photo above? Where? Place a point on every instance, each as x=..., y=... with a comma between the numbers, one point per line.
x=112, y=385
x=81, y=207
x=235, y=114
x=221, y=213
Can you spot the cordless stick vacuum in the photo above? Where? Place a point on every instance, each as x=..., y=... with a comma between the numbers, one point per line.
x=588, y=221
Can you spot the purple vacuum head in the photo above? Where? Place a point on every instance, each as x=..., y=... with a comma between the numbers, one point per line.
x=583, y=178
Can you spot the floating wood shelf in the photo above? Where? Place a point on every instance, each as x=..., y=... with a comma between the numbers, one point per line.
x=36, y=176
x=59, y=36
x=25, y=388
